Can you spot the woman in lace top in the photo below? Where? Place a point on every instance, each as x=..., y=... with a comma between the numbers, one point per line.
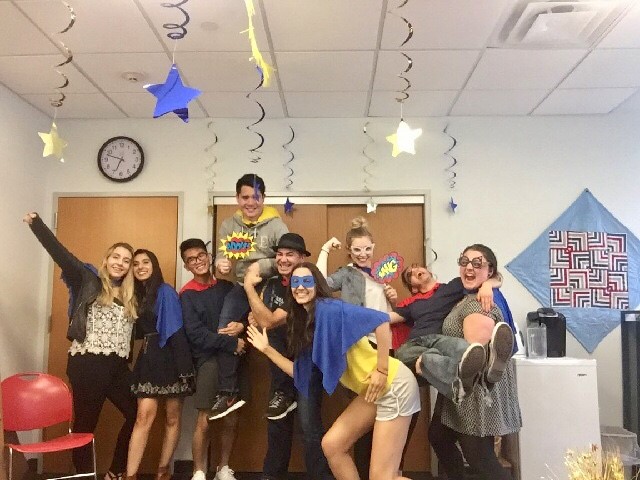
x=101, y=317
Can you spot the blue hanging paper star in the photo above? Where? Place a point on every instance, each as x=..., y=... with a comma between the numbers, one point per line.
x=453, y=205
x=288, y=206
x=172, y=95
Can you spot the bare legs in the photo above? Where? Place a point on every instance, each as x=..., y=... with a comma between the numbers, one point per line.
x=201, y=439
x=147, y=410
x=354, y=422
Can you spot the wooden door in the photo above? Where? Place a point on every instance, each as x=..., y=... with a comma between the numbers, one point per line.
x=395, y=228
x=87, y=226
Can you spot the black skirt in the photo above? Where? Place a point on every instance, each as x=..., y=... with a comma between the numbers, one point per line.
x=164, y=372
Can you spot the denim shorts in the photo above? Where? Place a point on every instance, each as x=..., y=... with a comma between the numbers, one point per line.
x=402, y=398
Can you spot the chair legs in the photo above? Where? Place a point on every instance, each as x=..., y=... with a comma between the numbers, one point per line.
x=10, y=463
x=95, y=468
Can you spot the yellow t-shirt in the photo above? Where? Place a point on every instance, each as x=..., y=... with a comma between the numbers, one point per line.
x=362, y=359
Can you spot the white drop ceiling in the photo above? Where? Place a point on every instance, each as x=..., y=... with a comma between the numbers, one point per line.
x=334, y=58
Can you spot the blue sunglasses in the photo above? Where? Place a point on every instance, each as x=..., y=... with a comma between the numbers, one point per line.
x=307, y=282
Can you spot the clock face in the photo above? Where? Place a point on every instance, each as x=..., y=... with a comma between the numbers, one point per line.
x=120, y=159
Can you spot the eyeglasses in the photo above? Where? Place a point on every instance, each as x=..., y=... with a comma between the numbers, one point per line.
x=477, y=262
x=360, y=250
x=201, y=257
x=307, y=282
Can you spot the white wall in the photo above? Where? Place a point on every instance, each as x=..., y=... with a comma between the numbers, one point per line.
x=23, y=268
x=515, y=176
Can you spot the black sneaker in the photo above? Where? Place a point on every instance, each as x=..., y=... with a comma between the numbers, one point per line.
x=280, y=405
x=471, y=364
x=500, y=351
x=225, y=403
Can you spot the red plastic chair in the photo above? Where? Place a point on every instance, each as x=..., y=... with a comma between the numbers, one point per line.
x=37, y=400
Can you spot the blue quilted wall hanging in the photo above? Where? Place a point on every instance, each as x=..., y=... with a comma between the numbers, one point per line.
x=585, y=265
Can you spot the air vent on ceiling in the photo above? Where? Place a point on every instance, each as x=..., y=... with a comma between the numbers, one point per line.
x=557, y=24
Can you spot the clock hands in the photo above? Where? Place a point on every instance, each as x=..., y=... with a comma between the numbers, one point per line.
x=119, y=158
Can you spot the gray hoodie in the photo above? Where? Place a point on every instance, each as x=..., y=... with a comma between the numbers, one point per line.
x=265, y=233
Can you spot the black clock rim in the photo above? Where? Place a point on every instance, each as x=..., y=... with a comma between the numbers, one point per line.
x=135, y=174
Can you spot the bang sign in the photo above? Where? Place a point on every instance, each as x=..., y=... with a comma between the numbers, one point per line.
x=237, y=245
x=388, y=268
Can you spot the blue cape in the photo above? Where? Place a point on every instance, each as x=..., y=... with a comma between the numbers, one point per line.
x=168, y=312
x=338, y=325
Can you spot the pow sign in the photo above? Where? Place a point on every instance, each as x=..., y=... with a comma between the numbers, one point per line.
x=237, y=245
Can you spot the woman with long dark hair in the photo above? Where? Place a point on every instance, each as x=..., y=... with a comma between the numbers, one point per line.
x=332, y=335
x=164, y=368
x=101, y=318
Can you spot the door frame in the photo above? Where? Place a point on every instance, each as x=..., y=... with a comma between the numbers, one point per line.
x=413, y=197
x=52, y=221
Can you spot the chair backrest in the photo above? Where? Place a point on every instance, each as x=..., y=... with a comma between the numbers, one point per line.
x=35, y=400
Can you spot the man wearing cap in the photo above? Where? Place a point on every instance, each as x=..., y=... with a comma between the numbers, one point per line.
x=267, y=310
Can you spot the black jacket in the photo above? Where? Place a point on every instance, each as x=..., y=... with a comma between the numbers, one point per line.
x=84, y=284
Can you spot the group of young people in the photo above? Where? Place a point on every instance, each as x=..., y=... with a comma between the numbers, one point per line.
x=454, y=335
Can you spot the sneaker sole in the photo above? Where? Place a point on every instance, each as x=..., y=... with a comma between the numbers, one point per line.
x=291, y=408
x=471, y=363
x=233, y=407
x=500, y=351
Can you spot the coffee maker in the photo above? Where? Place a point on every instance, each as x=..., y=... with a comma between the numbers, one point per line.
x=556, y=330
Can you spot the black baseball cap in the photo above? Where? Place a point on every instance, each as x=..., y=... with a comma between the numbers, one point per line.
x=294, y=242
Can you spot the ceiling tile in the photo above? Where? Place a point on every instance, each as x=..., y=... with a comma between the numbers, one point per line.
x=142, y=105
x=626, y=34
x=607, y=68
x=311, y=25
x=78, y=105
x=631, y=104
x=326, y=104
x=106, y=69
x=523, y=69
x=419, y=104
x=497, y=102
x=36, y=74
x=222, y=71
x=325, y=71
x=236, y=105
x=446, y=24
x=213, y=26
x=431, y=70
x=16, y=29
x=101, y=26
x=583, y=101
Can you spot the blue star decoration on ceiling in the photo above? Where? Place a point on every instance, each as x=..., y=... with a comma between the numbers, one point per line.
x=453, y=205
x=172, y=95
x=288, y=206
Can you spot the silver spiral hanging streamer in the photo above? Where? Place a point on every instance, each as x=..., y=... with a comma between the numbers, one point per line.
x=366, y=169
x=287, y=165
x=57, y=102
x=451, y=171
x=180, y=27
x=254, y=153
x=210, y=169
x=403, y=92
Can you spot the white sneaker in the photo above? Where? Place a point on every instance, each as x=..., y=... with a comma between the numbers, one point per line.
x=225, y=473
x=199, y=475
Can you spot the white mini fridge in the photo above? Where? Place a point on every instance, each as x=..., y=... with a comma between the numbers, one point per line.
x=559, y=403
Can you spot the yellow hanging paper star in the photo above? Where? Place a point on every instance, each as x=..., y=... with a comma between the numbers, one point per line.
x=53, y=144
x=404, y=139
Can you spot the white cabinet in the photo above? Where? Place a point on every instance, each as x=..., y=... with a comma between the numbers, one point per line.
x=559, y=403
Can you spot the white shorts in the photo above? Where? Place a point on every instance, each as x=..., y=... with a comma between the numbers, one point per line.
x=402, y=398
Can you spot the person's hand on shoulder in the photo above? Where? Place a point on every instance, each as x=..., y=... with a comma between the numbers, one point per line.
x=485, y=296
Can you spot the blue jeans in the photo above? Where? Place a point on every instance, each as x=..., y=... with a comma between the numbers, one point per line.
x=309, y=410
x=234, y=309
x=441, y=355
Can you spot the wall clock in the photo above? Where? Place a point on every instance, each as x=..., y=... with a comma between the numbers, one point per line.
x=120, y=159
